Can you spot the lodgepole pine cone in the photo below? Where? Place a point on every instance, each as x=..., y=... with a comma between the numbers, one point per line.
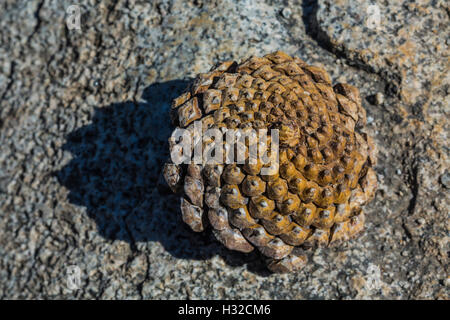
x=325, y=175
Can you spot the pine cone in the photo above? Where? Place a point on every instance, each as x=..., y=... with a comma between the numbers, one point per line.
x=314, y=198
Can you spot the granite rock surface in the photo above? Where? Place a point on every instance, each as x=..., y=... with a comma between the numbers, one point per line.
x=84, y=127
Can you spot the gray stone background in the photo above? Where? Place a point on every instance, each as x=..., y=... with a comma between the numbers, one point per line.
x=84, y=125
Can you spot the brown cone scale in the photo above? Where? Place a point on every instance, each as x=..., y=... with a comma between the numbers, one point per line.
x=325, y=174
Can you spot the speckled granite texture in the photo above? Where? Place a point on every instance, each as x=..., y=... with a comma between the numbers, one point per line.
x=84, y=125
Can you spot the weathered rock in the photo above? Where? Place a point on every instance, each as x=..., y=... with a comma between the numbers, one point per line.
x=83, y=129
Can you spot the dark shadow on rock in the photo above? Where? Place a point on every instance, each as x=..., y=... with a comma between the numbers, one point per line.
x=314, y=30
x=116, y=174
x=309, y=17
